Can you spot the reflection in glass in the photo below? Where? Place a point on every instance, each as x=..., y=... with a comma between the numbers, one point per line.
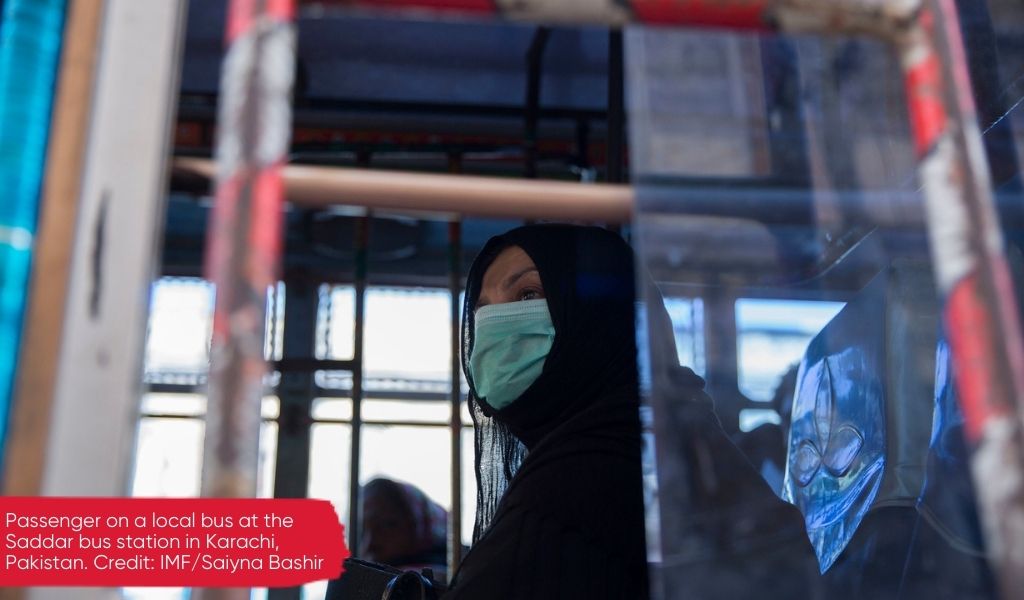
x=772, y=336
x=810, y=209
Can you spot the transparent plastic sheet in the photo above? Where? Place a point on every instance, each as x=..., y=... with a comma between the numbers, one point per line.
x=778, y=174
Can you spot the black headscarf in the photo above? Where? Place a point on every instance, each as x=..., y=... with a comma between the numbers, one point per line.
x=563, y=458
x=587, y=275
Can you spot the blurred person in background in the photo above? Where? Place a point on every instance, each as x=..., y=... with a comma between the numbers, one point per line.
x=403, y=528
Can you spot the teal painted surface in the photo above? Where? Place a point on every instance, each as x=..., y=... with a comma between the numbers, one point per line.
x=30, y=38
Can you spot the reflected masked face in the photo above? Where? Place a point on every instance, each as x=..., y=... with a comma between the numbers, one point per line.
x=512, y=277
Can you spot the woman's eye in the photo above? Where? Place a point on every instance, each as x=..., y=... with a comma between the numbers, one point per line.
x=529, y=294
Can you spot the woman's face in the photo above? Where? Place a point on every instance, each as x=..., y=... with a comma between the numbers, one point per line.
x=512, y=277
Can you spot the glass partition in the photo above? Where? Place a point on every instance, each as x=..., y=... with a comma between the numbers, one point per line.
x=779, y=221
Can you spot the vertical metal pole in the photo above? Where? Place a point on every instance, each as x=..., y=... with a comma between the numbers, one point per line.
x=454, y=288
x=296, y=390
x=616, y=110
x=583, y=146
x=534, y=68
x=980, y=309
x=787, y=135
x=361, y=245
x=722, y=357
x=244, y=243
x=616, y=114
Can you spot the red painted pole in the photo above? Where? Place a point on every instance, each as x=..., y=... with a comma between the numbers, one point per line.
x=980, y=310
x=244, y=242
x=735, y=14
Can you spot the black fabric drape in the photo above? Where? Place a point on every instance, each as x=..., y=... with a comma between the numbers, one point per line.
x=560, y=501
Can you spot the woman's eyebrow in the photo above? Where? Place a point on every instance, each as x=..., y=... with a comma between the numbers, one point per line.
x=513, y=278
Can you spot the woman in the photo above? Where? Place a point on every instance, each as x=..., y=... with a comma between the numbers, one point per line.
x=549, y=351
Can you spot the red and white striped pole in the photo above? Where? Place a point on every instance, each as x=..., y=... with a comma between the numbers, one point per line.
x=244, y=239
x=980, y=310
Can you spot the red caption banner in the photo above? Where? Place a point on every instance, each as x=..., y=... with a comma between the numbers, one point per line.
x=201, y=542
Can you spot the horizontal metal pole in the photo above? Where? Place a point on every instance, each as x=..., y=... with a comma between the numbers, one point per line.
x=330, y=393
x=313, y=364
x=186, y=417
x=373, y=423
x=380, y=423
x=473, y=196
x=328, y=112
x=453, y=195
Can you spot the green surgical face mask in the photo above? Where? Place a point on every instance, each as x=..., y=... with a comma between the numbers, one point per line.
x=510, y=343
